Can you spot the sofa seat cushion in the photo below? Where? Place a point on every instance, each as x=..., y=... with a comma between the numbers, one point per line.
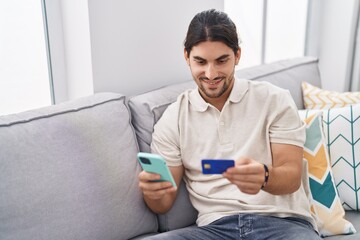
x=354, y=218
x=69, y=171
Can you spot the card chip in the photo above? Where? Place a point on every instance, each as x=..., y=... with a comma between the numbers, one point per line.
x=207, y=166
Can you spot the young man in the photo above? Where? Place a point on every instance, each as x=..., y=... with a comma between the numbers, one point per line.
x=256, y=123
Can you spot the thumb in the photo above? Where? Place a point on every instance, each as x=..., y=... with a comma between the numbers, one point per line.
x=243, y=161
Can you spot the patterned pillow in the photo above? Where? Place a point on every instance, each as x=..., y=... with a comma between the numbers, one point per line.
x=326, y=205
x=342, y=134
x=317, y=98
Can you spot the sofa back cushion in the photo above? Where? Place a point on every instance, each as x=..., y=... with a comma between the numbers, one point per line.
x=70, y=172
x=146, y=109
x=287, y=74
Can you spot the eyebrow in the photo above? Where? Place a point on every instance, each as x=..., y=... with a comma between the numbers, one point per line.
x=218, y=59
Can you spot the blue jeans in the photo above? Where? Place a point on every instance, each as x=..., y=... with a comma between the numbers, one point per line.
x=245, y=226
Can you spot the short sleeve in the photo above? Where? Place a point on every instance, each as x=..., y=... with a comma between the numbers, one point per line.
x=165, y=138
x=286, y=126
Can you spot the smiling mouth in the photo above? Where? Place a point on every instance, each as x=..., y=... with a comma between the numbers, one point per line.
x=214, y=82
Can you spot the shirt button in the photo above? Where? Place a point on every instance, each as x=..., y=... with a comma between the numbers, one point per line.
x=222, y=123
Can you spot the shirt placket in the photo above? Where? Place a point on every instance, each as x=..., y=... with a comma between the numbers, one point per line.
x=224, y=132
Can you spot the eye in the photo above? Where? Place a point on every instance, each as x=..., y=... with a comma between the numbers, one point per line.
x=221, y=61
x=200, y=62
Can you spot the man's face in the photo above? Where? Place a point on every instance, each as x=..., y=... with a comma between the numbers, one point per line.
x=212, y=66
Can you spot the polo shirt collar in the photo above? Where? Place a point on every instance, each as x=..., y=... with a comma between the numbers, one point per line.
x=239, y=90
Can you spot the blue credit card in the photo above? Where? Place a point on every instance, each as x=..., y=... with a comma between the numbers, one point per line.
x=216, y=166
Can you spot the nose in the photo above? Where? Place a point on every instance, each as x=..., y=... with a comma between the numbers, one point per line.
x=211, y=71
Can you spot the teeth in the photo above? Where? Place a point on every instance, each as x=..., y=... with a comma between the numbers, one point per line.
x=213, y=83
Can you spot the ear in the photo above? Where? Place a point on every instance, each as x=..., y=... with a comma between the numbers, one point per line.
x=186, y=56
x=237, y=56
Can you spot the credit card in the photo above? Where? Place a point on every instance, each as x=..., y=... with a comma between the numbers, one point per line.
x=216, y=166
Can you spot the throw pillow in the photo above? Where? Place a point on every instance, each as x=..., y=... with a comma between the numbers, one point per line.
x=325, y=203
x=317, y=98
x=342, y=134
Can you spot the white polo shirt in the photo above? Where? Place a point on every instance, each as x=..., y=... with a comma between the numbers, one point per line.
x=255, y=115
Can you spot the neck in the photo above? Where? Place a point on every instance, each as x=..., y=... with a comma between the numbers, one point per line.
x=219, y=102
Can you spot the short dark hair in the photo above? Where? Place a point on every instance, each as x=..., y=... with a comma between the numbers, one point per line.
x=211, y=25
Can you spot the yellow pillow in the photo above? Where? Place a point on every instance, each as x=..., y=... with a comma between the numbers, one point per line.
x=317, y=98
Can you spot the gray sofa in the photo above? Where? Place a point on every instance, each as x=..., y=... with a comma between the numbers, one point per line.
x=69, y=171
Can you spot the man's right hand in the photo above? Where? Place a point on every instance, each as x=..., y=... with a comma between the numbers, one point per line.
x=154, y=190
x=160, y=196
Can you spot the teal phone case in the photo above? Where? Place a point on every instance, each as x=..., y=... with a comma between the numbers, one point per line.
x=154, y=163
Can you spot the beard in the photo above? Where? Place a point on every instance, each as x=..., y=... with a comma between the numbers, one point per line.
x=216, y=93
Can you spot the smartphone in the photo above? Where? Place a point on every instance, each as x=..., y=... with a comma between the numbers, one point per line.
x=216, y=166
x=154, y=163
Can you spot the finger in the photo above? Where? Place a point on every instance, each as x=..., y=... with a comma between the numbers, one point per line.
x=159, y=193
x=251, y=168
x=242, y=170
x=154, y=186
x=255, y=179
x=249, y=188
x=247, y=185
x=146, y=176
x=243, y=161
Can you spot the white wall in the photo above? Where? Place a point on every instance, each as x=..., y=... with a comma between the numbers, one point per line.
x=128, y=46
x=273, y=40
x=133, y=46
x=248, y=18
x=69, y=36
x=24, y=77
x=331, y=29
x=77, y=48
x=137, y=45
x=57, y=50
